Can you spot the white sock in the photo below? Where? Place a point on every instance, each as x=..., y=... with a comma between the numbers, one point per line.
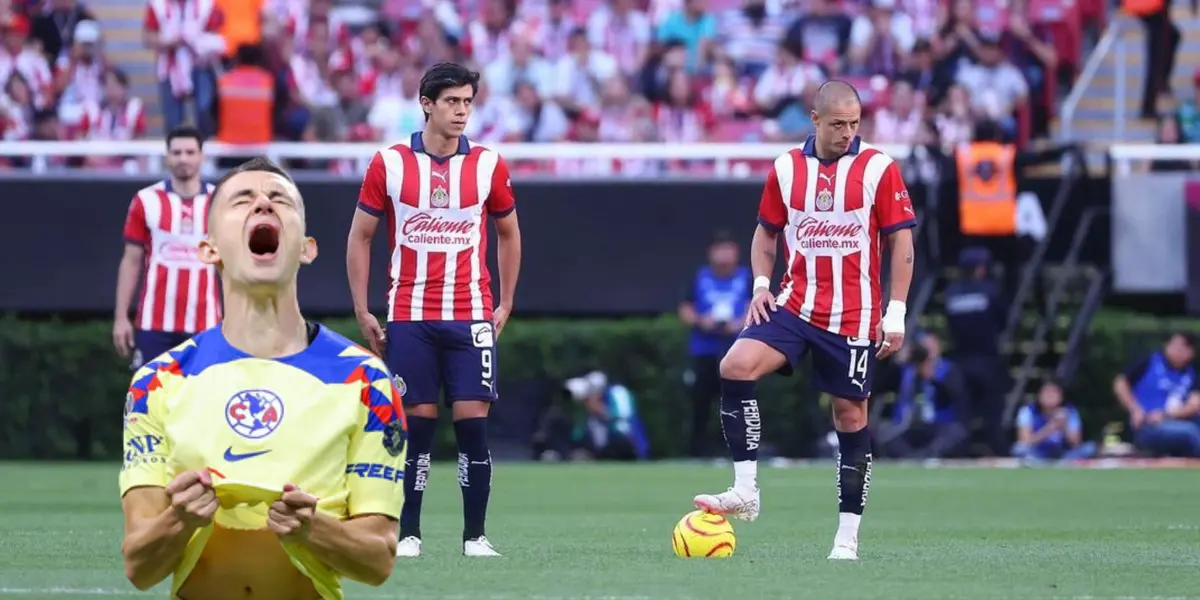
x=848, y=525
x=745, y=475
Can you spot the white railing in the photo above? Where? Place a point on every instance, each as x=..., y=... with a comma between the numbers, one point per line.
x=725, y=157
x=1095, y=60
x=1126, y=158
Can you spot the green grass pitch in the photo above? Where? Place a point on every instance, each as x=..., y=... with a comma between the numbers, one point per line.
x=603, y=531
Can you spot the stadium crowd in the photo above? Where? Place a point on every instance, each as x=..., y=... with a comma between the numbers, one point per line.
x=560, y=70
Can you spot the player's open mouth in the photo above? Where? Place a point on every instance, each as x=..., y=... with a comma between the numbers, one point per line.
x=264, y=241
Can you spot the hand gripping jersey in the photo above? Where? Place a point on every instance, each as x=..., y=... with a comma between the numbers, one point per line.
x=327, y=419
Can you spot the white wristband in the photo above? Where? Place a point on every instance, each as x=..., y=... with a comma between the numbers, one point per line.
x=893, y=318
x=762, y=282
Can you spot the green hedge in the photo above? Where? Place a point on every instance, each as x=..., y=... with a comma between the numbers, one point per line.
x=62, y=389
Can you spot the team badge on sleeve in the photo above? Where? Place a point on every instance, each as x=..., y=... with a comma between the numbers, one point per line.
x=394, y=437
x=401, y=387
x=129, y=418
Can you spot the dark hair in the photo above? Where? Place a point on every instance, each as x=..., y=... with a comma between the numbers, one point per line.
x=256, y=164
x=446, y=75
x=184, y=132
x=988, y=130
x=722, y=236
x=120, y=75
x=1189, y=339
x=250, y=55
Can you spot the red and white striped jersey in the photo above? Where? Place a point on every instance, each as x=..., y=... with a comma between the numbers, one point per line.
x=834, y=214
x=179, y=293
x=436, y=210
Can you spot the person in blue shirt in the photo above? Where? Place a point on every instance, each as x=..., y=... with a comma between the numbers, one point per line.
x=1161, y=395
x=714, y=307
x=1051, y=430
x=931, y=409
x=695, y=27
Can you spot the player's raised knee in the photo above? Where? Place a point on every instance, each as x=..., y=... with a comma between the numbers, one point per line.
x=749, y=360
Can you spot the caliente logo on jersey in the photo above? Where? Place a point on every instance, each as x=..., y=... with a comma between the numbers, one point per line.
x=254, y=414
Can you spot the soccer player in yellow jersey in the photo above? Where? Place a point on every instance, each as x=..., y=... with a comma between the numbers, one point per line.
x=264, y=458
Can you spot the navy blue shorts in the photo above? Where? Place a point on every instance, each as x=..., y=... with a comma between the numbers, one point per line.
x=842, y=366
x=432, y=358
x=148, y=345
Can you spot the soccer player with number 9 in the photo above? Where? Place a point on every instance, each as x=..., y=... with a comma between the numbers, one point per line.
x=435, y=191
x=835, y=200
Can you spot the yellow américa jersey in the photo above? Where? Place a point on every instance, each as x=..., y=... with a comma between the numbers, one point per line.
x=328, y=419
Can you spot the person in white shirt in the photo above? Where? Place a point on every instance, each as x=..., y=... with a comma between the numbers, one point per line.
x=880, y=39
x=521, y=64
x=996, y=86
x=899, y=123
x=578, y=74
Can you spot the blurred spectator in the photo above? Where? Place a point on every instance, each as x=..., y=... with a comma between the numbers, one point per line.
x=822, y=36
x=954, y=123
x=1162, y=397
x=682, y=118
x=396, y=112
x=118, y=115
x=1170, y=131
x=346, y=119
x=975, y=319
x=186, y=36
x=901, y=122
x=783, y=91
x=487, y=39
x=56, y=28
x=21, y=56
x=959, y=39
x=926, y=16
x=727, y=96
x=1188, y=111
x=491, y=116
x=880, y=39
x=79, y=74
x=246, y=97
x=714, y=307
x=521, y=64
x=241, y=24
x=578, y=75
x=17, y=108
x=1049, y=429
x=1162, y=47
x=623, y=117
x=997, y=87
x=535, y=120
x=553, y=34
x=669, y=57
x=1026, y=47
x=921, y=73
x=929, y=416
x=610, y=427
x=749, y=36
x=622, y=31
x=696, y=28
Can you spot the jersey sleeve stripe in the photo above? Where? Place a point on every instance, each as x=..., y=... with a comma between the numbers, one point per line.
x=909, y=224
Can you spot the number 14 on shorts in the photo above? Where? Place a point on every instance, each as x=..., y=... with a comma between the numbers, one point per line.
x=859, y=364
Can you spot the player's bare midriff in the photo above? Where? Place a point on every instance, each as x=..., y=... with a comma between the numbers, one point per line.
x=240, y=564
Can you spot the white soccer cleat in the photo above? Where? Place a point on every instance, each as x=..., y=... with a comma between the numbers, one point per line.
x=844, y=549
x=409, y=547
x=479, y=546
x=739, y=504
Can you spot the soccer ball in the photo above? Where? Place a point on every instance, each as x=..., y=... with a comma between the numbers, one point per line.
x=703, y=535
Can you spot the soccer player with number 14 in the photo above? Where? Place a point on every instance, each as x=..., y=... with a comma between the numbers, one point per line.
x=835, y=199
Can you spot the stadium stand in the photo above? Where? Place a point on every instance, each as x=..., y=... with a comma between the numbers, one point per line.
x=733, y=71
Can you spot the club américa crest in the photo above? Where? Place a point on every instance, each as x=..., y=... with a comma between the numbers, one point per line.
x=254, y=414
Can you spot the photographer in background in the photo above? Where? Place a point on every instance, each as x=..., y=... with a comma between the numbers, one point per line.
x=930, y=414
x=1049, y=429
x=594, y=420
x=714, y=307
